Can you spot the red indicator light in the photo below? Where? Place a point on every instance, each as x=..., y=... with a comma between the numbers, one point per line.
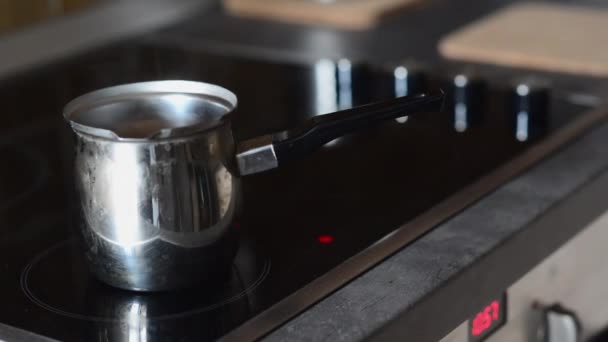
x=486, y=321
x=325, y=239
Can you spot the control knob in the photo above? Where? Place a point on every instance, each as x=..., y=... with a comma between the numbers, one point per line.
x=558, y=324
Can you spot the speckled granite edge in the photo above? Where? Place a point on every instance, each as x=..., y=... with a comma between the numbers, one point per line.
x=395, y=287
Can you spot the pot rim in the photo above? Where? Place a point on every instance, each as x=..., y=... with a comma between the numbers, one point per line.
x=207, y=91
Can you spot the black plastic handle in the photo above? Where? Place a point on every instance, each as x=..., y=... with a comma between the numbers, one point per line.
x=319, y=130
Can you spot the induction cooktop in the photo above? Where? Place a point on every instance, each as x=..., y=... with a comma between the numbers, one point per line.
x=300, y=224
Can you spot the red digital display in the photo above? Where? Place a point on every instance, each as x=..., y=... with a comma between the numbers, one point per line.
x=483, y=320
x=486, y=321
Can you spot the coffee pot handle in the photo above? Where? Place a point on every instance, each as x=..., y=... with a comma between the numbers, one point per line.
x=272, y=150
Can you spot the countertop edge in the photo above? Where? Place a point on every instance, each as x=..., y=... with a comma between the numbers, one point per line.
x=572, y=215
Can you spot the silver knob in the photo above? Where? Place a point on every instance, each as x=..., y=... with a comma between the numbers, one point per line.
x=559, y=325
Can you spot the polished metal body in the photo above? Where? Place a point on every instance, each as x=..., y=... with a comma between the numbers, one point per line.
x=158, y=196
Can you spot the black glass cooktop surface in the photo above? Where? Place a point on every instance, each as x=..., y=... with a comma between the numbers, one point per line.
x=299, y=222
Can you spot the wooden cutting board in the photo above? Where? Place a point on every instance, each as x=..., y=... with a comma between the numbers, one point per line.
x=550, y=37
x=348, y=14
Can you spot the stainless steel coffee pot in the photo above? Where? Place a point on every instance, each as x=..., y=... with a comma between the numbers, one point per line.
x=158, y=175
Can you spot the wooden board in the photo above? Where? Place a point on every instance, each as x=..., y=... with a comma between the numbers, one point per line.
x=549, y=37
x=348, y=14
